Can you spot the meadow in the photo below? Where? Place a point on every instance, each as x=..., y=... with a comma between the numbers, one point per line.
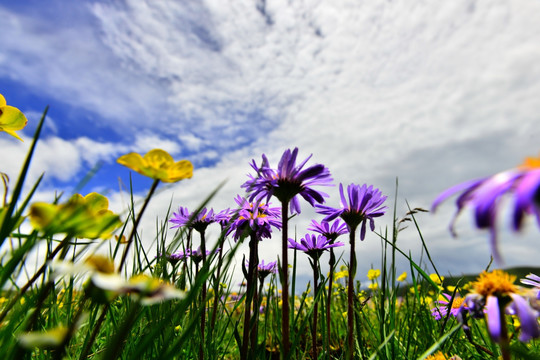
x=179, y=300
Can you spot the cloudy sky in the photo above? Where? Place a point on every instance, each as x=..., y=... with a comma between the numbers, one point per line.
x=424, y=92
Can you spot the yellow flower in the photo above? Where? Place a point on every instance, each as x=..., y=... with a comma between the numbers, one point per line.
x=11, y=118
x=83, y=217
x=373, y=274
x=402, y=277
x=373, y=286
x=436, y=278
x=341, y=274
x=159, y=165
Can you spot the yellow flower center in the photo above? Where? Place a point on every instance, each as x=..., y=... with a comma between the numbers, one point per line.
x=495, y=283
x=531, y=163
x=437, y=356
x=457, y=302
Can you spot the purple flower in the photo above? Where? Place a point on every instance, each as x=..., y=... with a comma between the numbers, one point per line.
x=364, y=204
x=198, y=221
x=455, y=307
x=254, y=216
x=484, y=195
x=195, y=255
x=533, y=280
x=263, y=270
x=331, y=232
x=288, y=181
x=496, y=293
x=313, y=245
x=223, y=218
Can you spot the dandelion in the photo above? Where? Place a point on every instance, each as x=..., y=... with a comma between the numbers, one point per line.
x=364, y=204
x=496, y=294
x=11, y=119
x=484, y=196
x=286, y=183
x=439, y=355
x=402, y=277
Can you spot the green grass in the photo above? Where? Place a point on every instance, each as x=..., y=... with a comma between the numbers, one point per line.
x=70, y=317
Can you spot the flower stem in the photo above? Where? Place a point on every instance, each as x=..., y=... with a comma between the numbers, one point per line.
x=315, y=307
x=284, y=282
x=136, y=224
x=350, y=298
x=331, y=263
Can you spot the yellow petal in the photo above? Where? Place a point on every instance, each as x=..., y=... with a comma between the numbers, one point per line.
x=97, y=203
x=132, y=160
x=12, y=119
x=158, y=159
x=182, y=169
x=42, y=214
x=2, y=101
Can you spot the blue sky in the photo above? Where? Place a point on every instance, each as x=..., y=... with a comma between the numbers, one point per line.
x=430, y=93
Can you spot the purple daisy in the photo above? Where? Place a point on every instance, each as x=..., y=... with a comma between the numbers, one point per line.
x=254, y=216
x=364, y=204
x=263, y=270
x=484, y=195
x=496, y=294
x=331, y=232
x=288, y=181
x=455, y=305
x=198, y=220
x=313, y=245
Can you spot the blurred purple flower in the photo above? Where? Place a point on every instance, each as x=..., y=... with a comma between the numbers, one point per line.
x=455, y=307
x=313, y=245
x=496, y=294
x=363, y=205
x=484, y=195
x=198, y=220
x=263, y=270
x=254, y=216
x=288, y=181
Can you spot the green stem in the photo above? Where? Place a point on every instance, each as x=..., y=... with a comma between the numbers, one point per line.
x=285, y=314
x=136, y=224
x=350, y=297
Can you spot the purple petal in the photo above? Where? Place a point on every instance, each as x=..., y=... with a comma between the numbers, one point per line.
x=493, y=318
x=527, y=318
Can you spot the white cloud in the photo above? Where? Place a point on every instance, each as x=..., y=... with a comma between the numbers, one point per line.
x=433, y=94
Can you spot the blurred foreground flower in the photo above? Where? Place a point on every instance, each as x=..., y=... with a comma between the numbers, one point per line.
x=11, y=119
x=485, y=194
x=82, y=217
x=454, y=305
x=105, y=284
x=496, y=294
x=158, y=165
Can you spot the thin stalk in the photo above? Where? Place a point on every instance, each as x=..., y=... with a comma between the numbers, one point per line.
x=315, y=307
x=251, y=284
x=203, y=297
x=332, y=264
x=351, y=297
x=38, y=273
x=136, y=224
x=285, y=314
